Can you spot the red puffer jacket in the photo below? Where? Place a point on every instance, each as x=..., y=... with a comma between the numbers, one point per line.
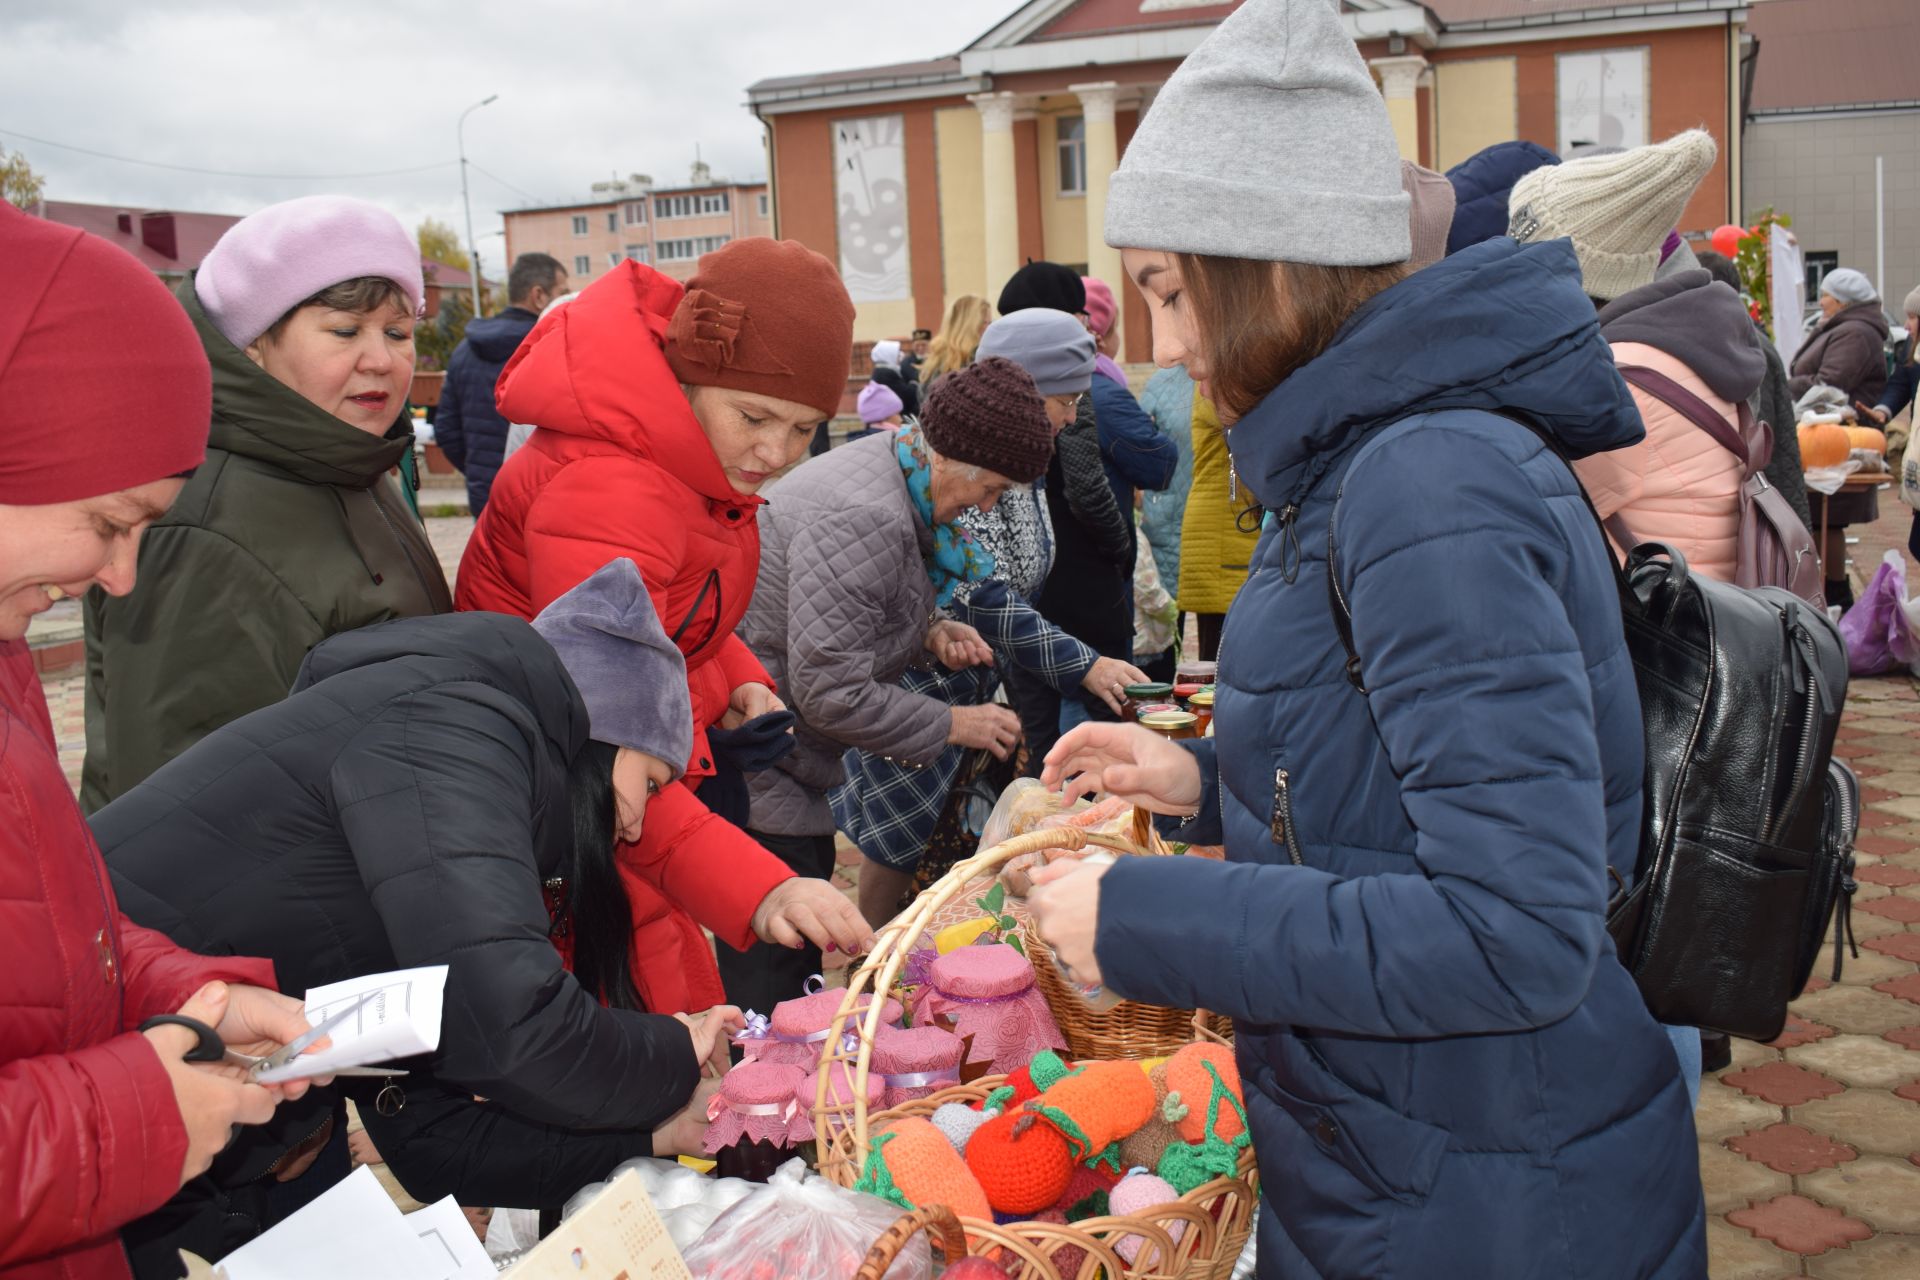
x=90, y=1138
x=620, y=467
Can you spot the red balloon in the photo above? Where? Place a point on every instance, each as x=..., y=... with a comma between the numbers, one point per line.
x=1726, y=239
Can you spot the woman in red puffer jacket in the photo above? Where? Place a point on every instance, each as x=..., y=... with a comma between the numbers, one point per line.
x=104, y=397
x=660, y=413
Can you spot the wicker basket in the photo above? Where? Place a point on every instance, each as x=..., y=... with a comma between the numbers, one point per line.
x=1218, y=1216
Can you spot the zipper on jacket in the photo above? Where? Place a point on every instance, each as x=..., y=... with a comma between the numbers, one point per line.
x=1281, y=820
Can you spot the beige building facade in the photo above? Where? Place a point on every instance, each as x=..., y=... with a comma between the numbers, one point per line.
x=665, y=227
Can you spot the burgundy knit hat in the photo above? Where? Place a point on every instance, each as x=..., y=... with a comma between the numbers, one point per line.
x=990, y=415
x=766, y=316
x=103, y=381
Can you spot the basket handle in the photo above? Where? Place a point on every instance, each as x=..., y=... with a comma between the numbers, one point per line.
x=936, y=1220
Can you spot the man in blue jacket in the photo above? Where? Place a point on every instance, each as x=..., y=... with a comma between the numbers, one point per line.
x=467, y=426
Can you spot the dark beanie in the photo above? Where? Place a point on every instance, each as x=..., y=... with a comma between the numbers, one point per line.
x=1046, y=285
x=990, y=415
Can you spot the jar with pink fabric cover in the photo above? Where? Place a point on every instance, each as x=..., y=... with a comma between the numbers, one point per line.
x=985, y=995
x=796, y=1034
x=750, y=1121
x=839, y=1090
x=915, y=1062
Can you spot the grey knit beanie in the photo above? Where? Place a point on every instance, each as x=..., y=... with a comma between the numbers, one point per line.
x=1618, y=209
x=1270, y=141
x=1433, y=202
x=1054, y=348
x=629, y=674
x=1912, y=306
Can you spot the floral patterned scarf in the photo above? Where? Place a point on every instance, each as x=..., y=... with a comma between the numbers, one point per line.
x=957, y=555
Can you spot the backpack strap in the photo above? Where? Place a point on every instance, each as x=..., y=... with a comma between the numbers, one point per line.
x=1343, y=616
x=1740, y=444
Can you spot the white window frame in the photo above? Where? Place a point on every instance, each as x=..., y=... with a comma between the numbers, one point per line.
x=1640, y=53
x=582, y=264
x=636, y=213
x=579, y=224
x=638, y=253
x=613, y=221
x=763, y=204
x=1070, y=151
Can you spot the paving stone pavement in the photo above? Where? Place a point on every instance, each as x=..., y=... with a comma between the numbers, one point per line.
x=1809, y=1146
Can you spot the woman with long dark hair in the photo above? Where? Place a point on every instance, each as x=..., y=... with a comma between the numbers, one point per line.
x=449, y=791
x=1447, y=1071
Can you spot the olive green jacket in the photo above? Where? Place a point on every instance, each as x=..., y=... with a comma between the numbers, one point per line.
x=291, y=531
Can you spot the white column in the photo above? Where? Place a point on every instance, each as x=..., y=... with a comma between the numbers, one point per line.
x=1002, y=222
x=1102, y=157
x=1399, y=77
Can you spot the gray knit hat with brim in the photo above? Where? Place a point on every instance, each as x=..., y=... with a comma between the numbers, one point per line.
x=629, y=674
x=1271, y=142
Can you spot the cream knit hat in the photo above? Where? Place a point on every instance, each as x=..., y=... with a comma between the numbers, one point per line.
x=1618, y=209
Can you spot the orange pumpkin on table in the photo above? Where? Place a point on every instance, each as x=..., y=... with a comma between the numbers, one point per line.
x=1871, y=439
x=1824, y=444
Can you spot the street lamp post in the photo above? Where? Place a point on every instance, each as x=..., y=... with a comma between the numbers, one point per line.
x=473, y=249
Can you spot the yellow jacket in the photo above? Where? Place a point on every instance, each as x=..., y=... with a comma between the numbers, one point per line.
x=1214, y=551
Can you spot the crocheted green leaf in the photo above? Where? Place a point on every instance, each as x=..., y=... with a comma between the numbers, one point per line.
x=877, y=1180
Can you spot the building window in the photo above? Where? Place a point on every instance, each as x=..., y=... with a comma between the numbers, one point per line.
x=637, y=253
x=672, y=206
x=582, y=265
x=686, y=250
x=1819, y=265
x=579, y=224
x=1600, y=98
x=636, y=212
x=763, y=206
x=613, y=220
x=615, y=258
x=718, y=203
x=1071, y=147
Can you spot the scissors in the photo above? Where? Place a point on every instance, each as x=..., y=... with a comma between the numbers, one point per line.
x=213, y=1049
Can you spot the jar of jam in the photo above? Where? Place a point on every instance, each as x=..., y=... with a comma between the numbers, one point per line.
x=1175, y=724
x=1194, y=671
x=1200, y=702
x=1138, y=695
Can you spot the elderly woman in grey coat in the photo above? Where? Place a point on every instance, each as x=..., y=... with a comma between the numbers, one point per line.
x=859, y=547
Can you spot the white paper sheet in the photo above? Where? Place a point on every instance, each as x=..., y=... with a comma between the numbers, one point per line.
x=457, y=1252
x=351, y=1229
x=402, y=1020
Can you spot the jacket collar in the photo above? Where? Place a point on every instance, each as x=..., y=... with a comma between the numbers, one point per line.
x=255, y=415
x=1500, y=327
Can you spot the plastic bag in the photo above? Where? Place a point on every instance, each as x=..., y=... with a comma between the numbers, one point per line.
x=688, y=1201
x=1882, y=630
x=800, y=1224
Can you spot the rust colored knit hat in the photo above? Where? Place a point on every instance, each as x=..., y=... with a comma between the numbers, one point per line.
x=766, y=316
x=990, y=415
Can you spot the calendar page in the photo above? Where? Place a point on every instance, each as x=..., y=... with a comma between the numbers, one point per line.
x=617, y=1236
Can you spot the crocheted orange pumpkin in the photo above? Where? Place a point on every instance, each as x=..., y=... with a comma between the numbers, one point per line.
x=913, y=1164
x=1187, y=1076
x=1022, y=1164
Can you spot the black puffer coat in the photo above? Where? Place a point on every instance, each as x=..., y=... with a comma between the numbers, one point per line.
x=1089, y=594
x=403, y=807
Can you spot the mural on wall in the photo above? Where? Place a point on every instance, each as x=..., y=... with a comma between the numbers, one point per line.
x=1601, y=98
x=870, y=194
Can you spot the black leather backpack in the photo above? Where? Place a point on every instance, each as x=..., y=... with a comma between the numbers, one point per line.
x=1747, y=834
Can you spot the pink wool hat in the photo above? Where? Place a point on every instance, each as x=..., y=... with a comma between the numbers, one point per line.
x=878, y=403
x=1100, y=305
x=272, y=261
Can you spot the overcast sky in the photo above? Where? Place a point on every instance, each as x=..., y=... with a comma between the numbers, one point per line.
x=588, y=89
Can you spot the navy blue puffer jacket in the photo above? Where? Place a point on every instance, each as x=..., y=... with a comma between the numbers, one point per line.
x=1448, y=1072
x=467, y=425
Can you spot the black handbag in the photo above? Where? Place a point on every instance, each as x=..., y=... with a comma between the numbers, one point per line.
x=1747, y=832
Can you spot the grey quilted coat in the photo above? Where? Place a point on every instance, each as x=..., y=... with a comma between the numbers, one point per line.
x=840, y=611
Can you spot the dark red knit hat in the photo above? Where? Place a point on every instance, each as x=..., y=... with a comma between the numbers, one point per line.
x=103, y=382
x=766, y=316
x=990, y=415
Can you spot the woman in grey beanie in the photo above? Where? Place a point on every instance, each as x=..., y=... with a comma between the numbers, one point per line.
x=1448, y=1073
x=449, y=790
